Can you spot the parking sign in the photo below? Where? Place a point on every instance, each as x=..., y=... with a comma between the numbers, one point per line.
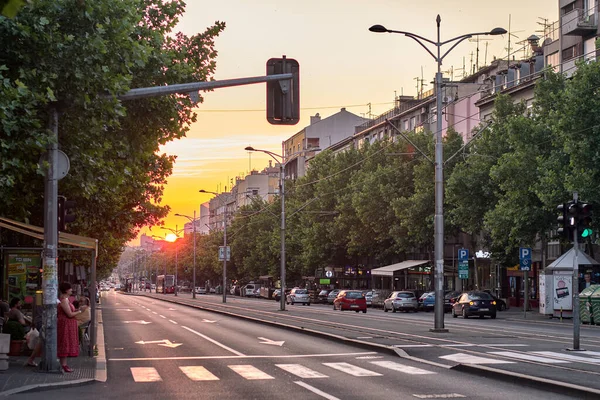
x=525, y=258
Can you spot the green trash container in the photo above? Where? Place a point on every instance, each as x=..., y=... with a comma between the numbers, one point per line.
x=585, y=304
x=595, y=304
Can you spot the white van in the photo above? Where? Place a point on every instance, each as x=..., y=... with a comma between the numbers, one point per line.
x=252, y=290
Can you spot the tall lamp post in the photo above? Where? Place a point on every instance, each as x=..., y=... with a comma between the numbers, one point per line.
x=439, y=155
x=193, y=221
x=176, y=232
x=280, y=160
x=224, y=245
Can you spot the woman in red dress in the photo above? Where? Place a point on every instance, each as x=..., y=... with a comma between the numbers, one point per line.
x=67, y=332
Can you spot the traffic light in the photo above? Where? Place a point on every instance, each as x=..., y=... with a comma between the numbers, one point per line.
x=566, y=219
x=283, y=97
x=584, y=219
x=64, y=215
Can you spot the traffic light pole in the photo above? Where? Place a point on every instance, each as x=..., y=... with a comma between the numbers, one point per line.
x=575, y=285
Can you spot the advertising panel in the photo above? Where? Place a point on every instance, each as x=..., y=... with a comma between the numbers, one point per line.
x=23, y=275
x=562, y=292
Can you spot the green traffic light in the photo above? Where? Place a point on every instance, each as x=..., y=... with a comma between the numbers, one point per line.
x=587, y=232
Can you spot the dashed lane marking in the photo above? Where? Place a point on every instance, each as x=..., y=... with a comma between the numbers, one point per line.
x=351, y=369
x=402, y=368
x=528, y=357
x=301, y=371
x=470, y=359
x=145, y=374
x=197, y=373
x=250, y=372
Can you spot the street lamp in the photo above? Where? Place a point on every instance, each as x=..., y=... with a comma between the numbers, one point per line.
x=176, y=232
x=279, y=159
x=224, y=244
x=193, y=221
x=165, y=258
x=439, y=156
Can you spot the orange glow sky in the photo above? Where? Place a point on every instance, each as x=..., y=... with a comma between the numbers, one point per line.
x=342, y=64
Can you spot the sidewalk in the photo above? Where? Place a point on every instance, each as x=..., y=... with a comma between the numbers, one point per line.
x=19, y=378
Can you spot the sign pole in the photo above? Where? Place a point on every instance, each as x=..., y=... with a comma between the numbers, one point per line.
x=575, y=286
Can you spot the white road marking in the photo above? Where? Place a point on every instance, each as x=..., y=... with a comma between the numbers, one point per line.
x=407, y=346
x=505, y=345
x=162, y=316
x=142, y=322
x=250, y=372
x=271, y=342
x=301, y=371
x=214, y=341
x=316, y=391
x=593, y=353
x=237, y=357
x=529, y=357
x=439, y=396
x=173, y=322
x=470, y=359
x=197, y=373
x=569, y=357
x=365, y=337
x=351, y=369
x=145, y=374
x=154, y=312
x=458, y=345
x=402, y=368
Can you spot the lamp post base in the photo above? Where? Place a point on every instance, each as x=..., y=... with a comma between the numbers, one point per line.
x=440, y=330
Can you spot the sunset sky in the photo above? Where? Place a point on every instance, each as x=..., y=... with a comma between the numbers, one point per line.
x=342, y=64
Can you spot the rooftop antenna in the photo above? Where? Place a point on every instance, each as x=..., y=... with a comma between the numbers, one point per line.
x=476, y=40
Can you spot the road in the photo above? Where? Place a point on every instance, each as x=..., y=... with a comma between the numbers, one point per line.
x=162, y=350
x=534, y=346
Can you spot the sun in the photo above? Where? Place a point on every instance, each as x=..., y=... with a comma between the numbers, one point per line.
x=171, y=237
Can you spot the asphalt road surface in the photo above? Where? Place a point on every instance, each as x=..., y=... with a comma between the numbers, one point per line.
x=161, y=350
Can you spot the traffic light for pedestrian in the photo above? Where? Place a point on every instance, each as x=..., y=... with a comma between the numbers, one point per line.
x=283, y=96
x=584, y=219
x=64, y=214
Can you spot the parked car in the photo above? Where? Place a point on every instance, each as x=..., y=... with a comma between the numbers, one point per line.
x=353, y=300
x=332, y=295
x=235, y=290
x=298, y=295
x=450, y=298
x=500, y=304
x=322, y=296
x=369, y=297
x=427, y=301
x=277, y=294
x=252, y=290
x=404, y=301
x=200, y=290
x=474, y=303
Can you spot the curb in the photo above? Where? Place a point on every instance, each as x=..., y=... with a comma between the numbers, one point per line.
x=479, y=370
x=101, y=373
x=508, y=376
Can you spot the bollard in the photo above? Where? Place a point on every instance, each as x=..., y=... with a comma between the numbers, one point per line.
x=561, y=314
x=4, y=350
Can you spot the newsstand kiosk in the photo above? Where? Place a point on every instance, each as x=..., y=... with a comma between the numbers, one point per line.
x=556, y=283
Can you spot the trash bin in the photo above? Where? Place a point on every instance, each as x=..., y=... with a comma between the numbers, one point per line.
x=595, y=304
x=585, y=304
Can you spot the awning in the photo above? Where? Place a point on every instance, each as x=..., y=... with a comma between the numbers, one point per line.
x=38, y=233
x=565, y=261
x=389, y=270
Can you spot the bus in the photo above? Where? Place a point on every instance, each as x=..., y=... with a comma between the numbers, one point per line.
x=165, y=284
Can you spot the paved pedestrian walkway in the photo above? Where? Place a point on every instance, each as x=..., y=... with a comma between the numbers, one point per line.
x=20, y=378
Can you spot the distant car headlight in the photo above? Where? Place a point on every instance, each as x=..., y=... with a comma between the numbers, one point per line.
x=494, y=302
x=471, y=303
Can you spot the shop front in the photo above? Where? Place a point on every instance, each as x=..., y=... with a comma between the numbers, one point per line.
x=406, y=275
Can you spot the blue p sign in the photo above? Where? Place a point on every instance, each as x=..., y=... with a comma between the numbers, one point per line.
x=463, y=254
x=525, y=253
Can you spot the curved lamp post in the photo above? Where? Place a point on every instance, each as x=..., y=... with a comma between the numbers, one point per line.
x=439, y=155
x=279, y=159
x=193, y=221
x=224, y=245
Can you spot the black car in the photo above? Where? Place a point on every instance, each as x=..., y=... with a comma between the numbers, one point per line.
x=322, y=297
x=474, y=303
x=500, y=304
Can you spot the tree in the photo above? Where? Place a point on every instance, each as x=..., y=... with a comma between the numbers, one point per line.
x=72, y=54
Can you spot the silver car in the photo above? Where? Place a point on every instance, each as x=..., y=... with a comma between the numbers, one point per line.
x=405, y=301
x=298, y=296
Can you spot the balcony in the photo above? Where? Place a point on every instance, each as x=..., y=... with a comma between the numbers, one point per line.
x=579, y=22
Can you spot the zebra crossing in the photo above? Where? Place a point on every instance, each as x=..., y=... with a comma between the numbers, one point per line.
x=250, y=372
x=376, y=368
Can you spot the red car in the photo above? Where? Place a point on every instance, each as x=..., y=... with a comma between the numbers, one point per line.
x=353, y=300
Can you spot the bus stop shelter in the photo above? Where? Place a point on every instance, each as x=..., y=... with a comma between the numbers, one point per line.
x=78, y=243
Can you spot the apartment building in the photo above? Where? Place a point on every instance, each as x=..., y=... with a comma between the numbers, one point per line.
x=319, y=135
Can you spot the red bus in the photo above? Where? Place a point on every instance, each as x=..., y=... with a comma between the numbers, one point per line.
x=165, y=284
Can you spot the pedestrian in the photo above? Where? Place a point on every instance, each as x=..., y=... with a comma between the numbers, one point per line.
x=84, y=317
x=67, y=328
x=38, y=346
x=15, y=314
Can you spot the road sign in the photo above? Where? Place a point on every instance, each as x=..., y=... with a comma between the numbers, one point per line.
x=463, y=254
x=221, y=251
x=525, y=258
x=463, y=270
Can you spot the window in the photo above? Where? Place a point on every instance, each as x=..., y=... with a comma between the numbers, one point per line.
x=569, y=53
x=589, y=49
x=405, y=124
x=568, y=8
x=413, y=123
